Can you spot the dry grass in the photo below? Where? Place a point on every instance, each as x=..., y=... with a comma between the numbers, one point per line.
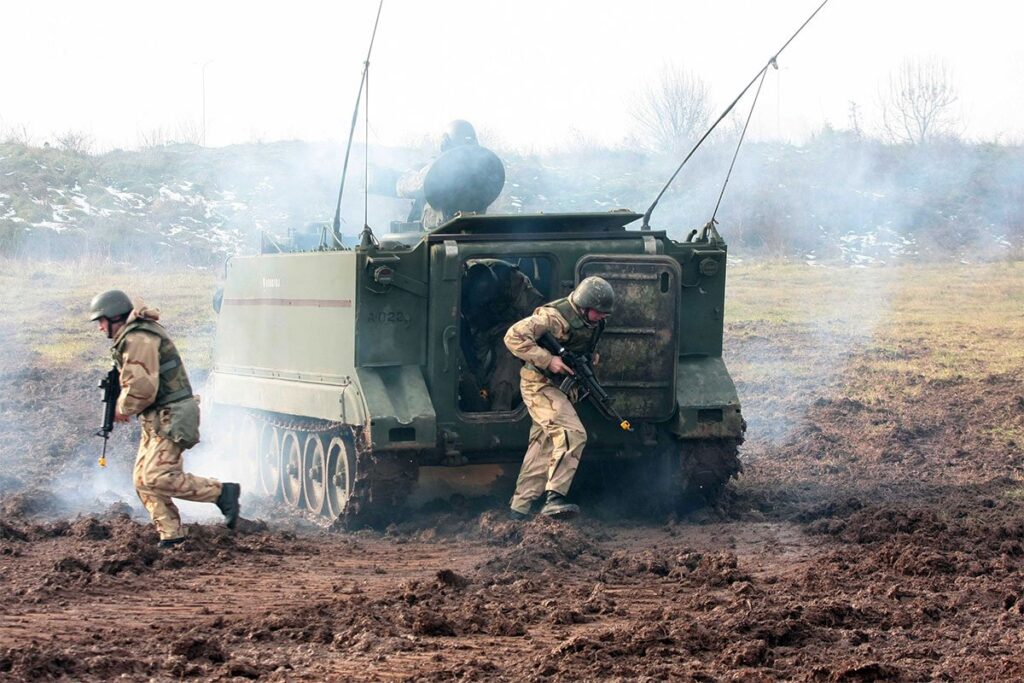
x=803, y=323
x=49, y=302
x=934, y=322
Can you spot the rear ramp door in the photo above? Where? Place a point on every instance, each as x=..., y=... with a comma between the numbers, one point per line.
x=639, y=347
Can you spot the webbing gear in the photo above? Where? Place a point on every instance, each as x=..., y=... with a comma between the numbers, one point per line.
x=173, y=380
x=582, y=336
x=175, y=396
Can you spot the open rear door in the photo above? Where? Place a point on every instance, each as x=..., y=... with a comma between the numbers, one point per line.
x=639, y=347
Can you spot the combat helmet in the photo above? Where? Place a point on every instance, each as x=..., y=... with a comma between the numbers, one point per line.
x=479, y=289
x=112, y=305
x=458, y=133
x=594, y=292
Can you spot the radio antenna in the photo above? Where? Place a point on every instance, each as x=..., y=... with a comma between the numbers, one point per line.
x=352, y=129
x=771, y=63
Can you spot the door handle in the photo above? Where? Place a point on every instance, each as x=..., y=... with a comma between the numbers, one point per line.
x=446, y=342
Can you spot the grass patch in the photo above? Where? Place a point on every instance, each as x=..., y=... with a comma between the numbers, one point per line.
x=68, y=350
x=48, y=304
x=884, y=329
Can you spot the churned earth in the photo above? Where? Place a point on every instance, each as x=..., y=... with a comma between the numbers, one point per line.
x=877, y=532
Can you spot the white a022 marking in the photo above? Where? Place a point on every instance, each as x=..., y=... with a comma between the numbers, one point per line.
x=271, y=282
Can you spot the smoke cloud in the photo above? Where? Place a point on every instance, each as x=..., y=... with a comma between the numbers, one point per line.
x=74, y=224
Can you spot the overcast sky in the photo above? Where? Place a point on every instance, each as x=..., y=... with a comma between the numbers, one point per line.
x=535, y=73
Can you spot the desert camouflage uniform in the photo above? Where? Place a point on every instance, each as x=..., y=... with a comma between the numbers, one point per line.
x=154, y=386
x=557, y=437
x=517, y=298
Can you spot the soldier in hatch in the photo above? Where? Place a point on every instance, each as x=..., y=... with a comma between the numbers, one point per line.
x=557, y=437
x=155, y=387
x=495, y=294
x=458, y=134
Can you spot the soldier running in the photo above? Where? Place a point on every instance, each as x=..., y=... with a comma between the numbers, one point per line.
x=155, y=386
x=557, y=437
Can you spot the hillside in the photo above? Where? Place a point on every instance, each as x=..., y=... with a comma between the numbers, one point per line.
x=838, y=198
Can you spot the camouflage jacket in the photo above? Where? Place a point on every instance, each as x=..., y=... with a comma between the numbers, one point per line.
x=151, y=369
x=562, y=319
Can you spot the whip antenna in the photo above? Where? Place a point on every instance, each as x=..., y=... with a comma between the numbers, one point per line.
x=771, y=63
x=739, y=144
x=352, y=129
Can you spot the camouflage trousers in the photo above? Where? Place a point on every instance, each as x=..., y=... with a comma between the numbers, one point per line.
x=557, y=439
x=159, y=477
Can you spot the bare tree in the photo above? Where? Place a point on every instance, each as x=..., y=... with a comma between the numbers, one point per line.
x=853, y=114
x=152, y=137
x=918, y=102
x=75, y=141
x=16, y=133
x=674, y=111
x=188, y=132
x=185, y=132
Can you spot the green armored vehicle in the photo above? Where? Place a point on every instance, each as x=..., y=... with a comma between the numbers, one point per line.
x=348, y=377
x=343, y=370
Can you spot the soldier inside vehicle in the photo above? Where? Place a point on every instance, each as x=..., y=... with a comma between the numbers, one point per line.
x=495, y=294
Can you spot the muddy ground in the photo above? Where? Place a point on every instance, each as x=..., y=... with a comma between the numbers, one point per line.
x=876, y=534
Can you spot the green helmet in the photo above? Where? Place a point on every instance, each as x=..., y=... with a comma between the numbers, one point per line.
x=596, y=293
x=112, y=304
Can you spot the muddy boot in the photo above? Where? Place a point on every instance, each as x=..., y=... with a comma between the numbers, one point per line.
x=170, y=542
x=557, y=507
x=517, y=516
x=227, y=501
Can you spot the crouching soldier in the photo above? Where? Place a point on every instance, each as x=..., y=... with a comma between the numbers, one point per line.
x=155, y=387
x=557, y=436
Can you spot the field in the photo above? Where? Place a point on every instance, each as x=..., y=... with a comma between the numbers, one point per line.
x=877, y=532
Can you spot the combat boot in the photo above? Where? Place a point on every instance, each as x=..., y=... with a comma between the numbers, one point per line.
x=557, y=507
x=517, y=516
x=170, y=542
x=227, y=501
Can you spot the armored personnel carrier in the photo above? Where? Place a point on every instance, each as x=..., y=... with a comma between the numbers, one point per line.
x=343, y=372
x=347, y=373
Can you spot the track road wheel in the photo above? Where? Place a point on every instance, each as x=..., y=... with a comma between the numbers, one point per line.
x=341, y=474
x=291, y=469
x=314, y=474
x=270, y=461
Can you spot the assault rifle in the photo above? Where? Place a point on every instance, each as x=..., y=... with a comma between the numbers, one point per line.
x=583, y=378
x=111, y=387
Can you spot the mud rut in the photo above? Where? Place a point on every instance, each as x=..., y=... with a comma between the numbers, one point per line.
x=876, y=541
